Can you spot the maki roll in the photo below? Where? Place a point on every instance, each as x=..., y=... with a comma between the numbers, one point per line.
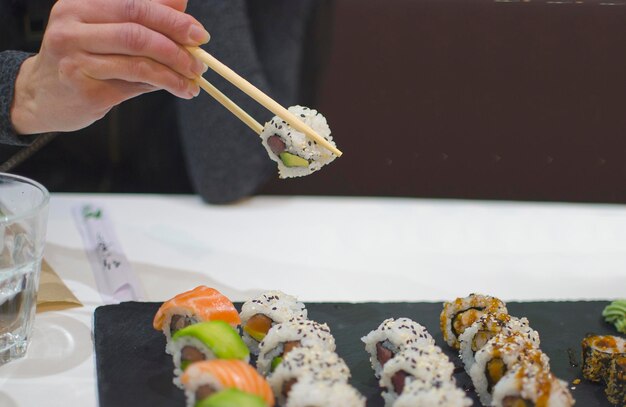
x=420, y=393
x=598, y=354
x=268, y=309
x=206, y=341
x=232, y=398
x=306, y=363
x=296, y=154
x=391, y=336
x=500, y=355
x=197, y=305
x=428, y=364
x=463, y=312
x=529, y=384
x=616, y=386
x=489, y=325
x=284, y=337
x=324, y=393
x=203, y=379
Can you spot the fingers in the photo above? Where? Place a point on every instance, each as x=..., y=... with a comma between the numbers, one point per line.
x=174, y=24
x=136, y=40
x=180, y=5
x=138, y=71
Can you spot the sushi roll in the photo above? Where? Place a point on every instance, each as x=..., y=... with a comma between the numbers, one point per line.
x=203, y=379
x=324, y=393
x=463, y=312
x=480, y=332
x=501, y=354
x=419, y=393
x=206, y=341
x=295, y=153
x=528, y=384
x=391, y=336
x=268, y=309
x=616, y=386
x=232, y=398
x=197, y=305
x=428, y=364
x=306, y=363
x=598, y=353
x=284, y=337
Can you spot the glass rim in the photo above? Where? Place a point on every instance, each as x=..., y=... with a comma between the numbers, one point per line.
x=4, y=218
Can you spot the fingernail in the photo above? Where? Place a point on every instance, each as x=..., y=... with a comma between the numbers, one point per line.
x=195, y=91
x=199, y=67
x=199, y=34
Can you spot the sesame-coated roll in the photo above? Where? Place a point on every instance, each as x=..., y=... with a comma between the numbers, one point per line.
x=463, y=312
x=284, y=337
x=489, y=325
x=391, y=336
x=616, y=386
x=268, y=309
x=306, y=363
x=424, y=394
x=598, y=353
x=324, y=393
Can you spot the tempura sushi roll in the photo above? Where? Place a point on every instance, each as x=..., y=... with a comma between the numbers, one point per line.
x=260, y=314
x=616, y=386
x=324, y=393
x=206, y=341
x=480, y=332
x=428, y=364
x=500, y=355
x=598, y=353
x=528, y=384
x=197, y=305
x=202, y=379
x=295, y=153
x=232, y=398
x=284, y=337
x=463, y=312
x=391, y=336
x=306, y=363
x=419, y=393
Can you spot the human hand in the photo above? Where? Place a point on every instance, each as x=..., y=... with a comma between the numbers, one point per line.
x=96, y=54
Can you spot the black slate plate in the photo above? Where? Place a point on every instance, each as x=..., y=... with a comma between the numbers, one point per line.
x=133, y=369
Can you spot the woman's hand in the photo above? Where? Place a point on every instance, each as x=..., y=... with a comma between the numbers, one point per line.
x=96, y=54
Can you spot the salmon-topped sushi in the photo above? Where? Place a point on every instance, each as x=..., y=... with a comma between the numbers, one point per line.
x=203, y=379
x=197, y=305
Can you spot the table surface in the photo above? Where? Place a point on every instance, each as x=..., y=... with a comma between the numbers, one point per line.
x=320, y=249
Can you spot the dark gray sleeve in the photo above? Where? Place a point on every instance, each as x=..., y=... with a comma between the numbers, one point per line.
x=10, y=63
x=225, y=159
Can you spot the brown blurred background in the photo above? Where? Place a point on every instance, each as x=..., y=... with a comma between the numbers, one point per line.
x=475, y=99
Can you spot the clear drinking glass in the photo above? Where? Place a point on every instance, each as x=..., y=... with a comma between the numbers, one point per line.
x=23, y=217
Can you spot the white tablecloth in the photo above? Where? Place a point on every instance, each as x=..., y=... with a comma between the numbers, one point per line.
x=320, y=249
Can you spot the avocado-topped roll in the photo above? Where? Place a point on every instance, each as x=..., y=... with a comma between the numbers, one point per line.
x=306, y=363
x=261, y=313
x=203, y=379
x=501, y=354
x=480, y=332
x=442, y=394
x=232, y=398
x=391, y=336
x=530, y=385
x=428, y=364
x=206, y=341
x=295, y=153
x=324, y=393
x=598, y=353
x=616, y=386
x=463, y=312
x=284, y=337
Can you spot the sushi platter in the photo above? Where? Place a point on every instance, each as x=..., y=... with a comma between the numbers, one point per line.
x=133, y=368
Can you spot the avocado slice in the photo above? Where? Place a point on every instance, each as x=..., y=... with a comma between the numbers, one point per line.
x=292, y=160
x=221, y=338
x=232, y=398
x=275, y=362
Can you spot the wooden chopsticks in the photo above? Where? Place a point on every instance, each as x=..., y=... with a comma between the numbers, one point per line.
x=255, y=94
